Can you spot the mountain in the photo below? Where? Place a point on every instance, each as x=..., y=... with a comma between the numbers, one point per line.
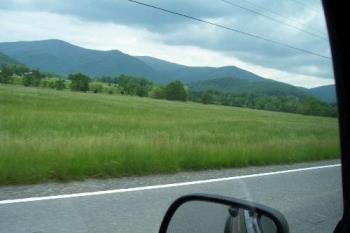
x=232, y=79
x=60, y=57
x=187, y=74
x=325, y=93
x=160, y=65
x=241, y=85
x=6, y=60
x=63, y=58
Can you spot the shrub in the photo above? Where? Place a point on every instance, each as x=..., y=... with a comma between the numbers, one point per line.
x=60, y=84
x=157, y=92
x=96, y=87
x=79, y=82
x=5, y=75
x=175, y=91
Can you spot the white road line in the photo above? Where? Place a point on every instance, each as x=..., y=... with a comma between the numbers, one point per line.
x=31, y=199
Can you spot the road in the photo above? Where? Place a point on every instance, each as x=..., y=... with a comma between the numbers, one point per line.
x=309, y=199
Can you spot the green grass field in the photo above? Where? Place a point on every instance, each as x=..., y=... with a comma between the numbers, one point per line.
x=61, y=135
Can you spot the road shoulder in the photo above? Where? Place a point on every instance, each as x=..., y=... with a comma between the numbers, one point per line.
x=93, y=185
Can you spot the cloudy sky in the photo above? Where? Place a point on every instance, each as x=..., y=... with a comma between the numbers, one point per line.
x=139, y=30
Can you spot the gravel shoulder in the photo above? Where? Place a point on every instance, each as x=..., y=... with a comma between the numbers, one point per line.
x=91, y=185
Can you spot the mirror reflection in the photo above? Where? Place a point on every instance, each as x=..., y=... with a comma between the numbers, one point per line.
x=208, y=217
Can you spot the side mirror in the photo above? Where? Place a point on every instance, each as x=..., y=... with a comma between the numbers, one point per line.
x=200, y=213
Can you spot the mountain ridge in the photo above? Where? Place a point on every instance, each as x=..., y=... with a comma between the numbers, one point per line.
x=239, y=86
x=326, y=93
x=61, y=57
x=64, y=58
x=6, y=60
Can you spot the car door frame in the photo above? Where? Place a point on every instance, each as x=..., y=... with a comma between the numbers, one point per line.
x=335, y=14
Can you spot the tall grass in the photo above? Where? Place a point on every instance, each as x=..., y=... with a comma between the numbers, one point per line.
x=57, y=135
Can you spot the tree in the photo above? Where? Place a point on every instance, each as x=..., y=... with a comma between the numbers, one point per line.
x=157, y=92
x=20, y=69
x=96, y=87
x=5, y=74
x=36, y=78
x=27, y=80
x=142, y=91
x=133, y=85
x=175, y=91
x=206, y=97
x=45, y=83
x=79, y=82
x=32, y=78
x=60, y=84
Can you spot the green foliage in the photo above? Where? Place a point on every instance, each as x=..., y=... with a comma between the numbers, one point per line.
x=19, y=69
x=27, y=80
x=96, y=87
x=130, y=85
x=311, y=106
x=157, y=92
x=240, y=85
x=5, y=74
x=307, y=105
x=133, y=86
x=32, y=78
x=13, y=74
x=49, y=82
x=206, y=97
x=175, y=91
x=60, y=84
x=110, y=89
x=68, y=136
x=79, y=82
x=17, y=80
x=136, y=86
x=44, y=83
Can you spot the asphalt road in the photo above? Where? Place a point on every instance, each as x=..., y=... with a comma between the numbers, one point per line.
x=309, y=199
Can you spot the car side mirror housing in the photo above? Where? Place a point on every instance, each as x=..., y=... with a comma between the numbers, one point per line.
x=201, y=213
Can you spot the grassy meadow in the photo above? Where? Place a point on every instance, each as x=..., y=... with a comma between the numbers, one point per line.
x=61, y=135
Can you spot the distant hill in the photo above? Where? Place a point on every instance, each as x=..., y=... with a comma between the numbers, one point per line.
x=325, y=93
x=255, y=86
x=6, y=60
x=160, y=65
x=187, y=74
x=63, y=58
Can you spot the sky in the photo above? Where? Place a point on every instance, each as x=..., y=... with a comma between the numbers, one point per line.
x=138, y=30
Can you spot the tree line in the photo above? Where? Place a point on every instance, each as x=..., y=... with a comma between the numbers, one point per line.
x=307, y=105
x=122, y=84
x=176, y=90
